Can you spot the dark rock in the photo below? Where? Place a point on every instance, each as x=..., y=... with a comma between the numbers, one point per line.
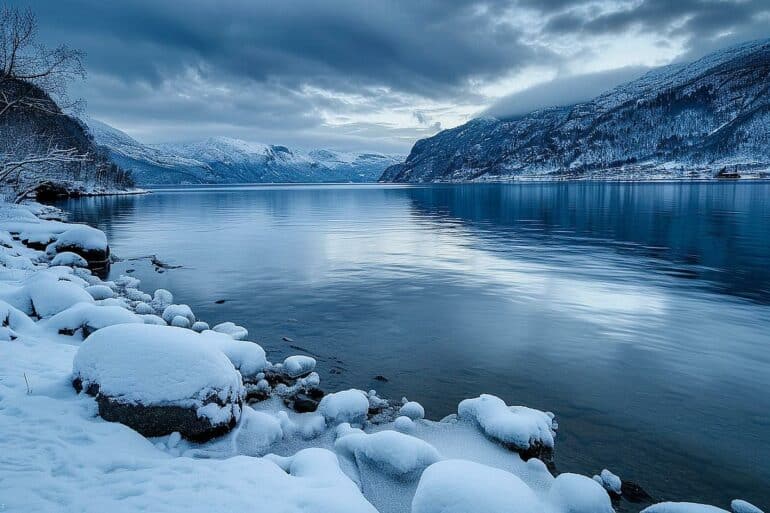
x=315, y=393
x=287, y=339
x=304, y=404
x=157, y=420
x=632, y=492
x=220, y=301
x=380, y=377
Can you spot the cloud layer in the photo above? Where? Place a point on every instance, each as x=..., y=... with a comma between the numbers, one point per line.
x=373, y=74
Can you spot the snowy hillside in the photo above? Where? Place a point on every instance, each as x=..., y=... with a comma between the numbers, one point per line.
x=687, y=118
x=228, y=160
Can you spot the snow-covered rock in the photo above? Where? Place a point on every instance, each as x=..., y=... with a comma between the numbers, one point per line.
x=88, y=242
x=413, y=410
x=298, y=365
x=248, y=357
x=403, y=424
x=573, y=493
x=50, y=295
x=172, y=311
x=460, y=486
x=161, y=298
x=232, y=329
x=682, y=507
x=346, y=406
x=180, y=322
x=525, y=430
x=741, y=506
x=70, y=259
x=199, y=326
x=159, y=379
x=609, y=482
x=391, y=452
x=89, y=318
x=100, y=292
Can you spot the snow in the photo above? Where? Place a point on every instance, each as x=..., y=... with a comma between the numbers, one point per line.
x=458, y=486
x=70, y=259
x=609, y=481
x=172, y=311
x=741, y=506
x=180, y=322
x=232, y=329
x=298, y=365
x=94, y=317
x=248, y=357
x=257, y=432
x=403, y=424
x=573, y=493
x=161, y=298
x=146, y=364
x=82, y=236
x=198, y=326
x=394, y=453
x=50, y=295
x=518, y=426
x=682, y=507
x=346, y=406
x=99, y=292
x=413, y=410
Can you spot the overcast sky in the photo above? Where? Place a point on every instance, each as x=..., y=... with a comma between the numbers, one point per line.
x=367, y=74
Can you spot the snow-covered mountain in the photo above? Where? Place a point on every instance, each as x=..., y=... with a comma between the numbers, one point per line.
x=678, y=120
x=228, y=160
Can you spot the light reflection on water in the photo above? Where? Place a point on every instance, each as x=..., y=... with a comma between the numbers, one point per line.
x=638, y=313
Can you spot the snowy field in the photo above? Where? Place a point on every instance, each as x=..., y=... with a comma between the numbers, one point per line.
x=216, y=426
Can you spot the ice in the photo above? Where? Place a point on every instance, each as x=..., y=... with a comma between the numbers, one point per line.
x=229, y=328
x=573, y=493
x=517, y=426
x=70, y=259
x=172, y=311
x=141, y=363
x=99, y=292
x=682, y=507
x=741, y=506
x=346, y=406
x=460, y=486
x=391, y=452
x=298, y=365
x=413, y=410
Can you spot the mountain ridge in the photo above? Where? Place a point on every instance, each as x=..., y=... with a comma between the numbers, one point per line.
x=229, y=160
x=688, y=118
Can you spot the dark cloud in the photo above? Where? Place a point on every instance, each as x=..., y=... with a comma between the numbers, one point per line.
x=312, y=72
x=562, y=91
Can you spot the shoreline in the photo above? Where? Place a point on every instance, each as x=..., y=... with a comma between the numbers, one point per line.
x=278, y=387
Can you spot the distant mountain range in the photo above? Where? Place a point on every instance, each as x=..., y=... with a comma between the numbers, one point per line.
x=681, y=120
x=227, y=160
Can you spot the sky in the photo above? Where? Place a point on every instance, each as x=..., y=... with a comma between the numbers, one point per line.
x=367, y=74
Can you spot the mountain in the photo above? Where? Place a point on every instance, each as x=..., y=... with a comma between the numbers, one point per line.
x=228, y=160
x=46, y=153
x=680, y=120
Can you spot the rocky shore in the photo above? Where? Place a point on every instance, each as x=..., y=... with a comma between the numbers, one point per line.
x=115, y=398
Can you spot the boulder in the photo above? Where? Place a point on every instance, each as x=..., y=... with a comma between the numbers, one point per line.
x=159, y=380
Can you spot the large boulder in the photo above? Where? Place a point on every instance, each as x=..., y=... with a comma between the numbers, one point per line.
x=160, y=379
x=88, y=242
x=527, y=431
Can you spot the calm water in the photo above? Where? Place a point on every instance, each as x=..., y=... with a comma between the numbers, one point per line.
x=638, y=313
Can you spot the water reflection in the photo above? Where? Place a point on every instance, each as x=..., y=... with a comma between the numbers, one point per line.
x=637, y=312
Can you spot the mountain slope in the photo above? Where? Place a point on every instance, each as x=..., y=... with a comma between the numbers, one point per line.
x=228, y=160
x=702, y=116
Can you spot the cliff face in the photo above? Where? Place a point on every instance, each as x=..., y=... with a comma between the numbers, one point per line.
x=703, y=116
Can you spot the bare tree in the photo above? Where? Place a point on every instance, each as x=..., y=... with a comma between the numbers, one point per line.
x=28, y=67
